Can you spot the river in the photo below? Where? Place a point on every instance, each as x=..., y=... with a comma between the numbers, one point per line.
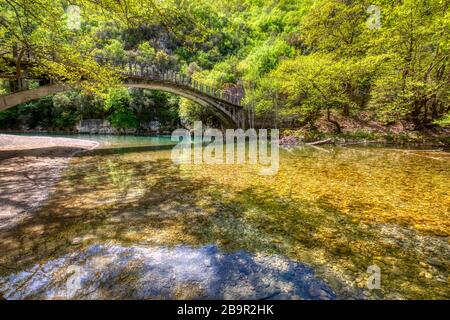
x=310, y=231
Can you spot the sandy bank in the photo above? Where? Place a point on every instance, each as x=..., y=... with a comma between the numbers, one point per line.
x=29, y=167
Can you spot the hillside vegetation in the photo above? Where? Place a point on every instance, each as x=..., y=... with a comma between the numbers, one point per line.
x=329, y=65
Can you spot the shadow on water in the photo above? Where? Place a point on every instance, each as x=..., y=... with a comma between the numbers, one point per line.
x=112, y=272
x=51, y=152
x=164, y=213
x=124, y=150
x=54, y=152
x=108, y=197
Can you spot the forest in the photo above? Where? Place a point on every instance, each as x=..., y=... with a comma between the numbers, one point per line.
x=225, y=150
x=337, y=66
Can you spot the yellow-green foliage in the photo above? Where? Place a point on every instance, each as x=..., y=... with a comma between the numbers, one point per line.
x=295, y=58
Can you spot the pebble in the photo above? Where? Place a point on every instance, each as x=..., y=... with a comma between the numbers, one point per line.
x=146, y=272
x=437, y=263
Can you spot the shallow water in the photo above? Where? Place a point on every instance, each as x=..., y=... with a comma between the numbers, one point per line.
x=336, y=209
x=142, y=272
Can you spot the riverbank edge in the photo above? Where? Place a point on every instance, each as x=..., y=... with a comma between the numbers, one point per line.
x=293, y=137
x=435, y=137
x=12, y=164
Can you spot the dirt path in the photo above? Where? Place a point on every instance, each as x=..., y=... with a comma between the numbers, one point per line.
x=29, y=167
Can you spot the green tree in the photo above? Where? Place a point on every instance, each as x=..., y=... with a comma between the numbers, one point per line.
x=146, y=53
x=114, y=51
x=415, y=82
x=191, y=111
x=121, y=115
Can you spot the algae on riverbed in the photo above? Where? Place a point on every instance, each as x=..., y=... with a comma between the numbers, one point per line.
x=338, y=209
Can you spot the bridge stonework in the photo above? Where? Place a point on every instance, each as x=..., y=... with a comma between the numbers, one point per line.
x=226, y=105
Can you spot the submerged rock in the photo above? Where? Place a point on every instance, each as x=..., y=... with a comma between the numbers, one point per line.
x=112, y=271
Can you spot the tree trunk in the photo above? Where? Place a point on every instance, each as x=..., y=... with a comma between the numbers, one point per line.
x=346, y=110
x=336, y=124
x=418, y=117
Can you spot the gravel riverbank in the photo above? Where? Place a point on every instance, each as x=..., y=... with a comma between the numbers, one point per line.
x=29, y=167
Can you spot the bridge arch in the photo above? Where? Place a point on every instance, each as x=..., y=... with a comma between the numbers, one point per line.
x=230, y=115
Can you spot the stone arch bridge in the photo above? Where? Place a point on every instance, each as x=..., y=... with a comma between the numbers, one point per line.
x=225, y=104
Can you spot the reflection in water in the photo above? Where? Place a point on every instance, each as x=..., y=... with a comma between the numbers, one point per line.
x=115, y=272
x=339, y=210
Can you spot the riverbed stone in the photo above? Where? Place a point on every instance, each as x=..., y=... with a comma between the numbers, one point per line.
x=150, y=272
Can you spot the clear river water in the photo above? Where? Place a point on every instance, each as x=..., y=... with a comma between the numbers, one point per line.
x=328, y=215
